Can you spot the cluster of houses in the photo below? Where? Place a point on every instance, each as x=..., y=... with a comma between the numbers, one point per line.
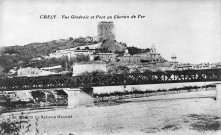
x=188, y=66
x=151, y=61
x=151, y=57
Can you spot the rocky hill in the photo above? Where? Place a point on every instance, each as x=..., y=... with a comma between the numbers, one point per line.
x=113, y=46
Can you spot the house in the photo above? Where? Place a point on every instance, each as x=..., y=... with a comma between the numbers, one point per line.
x=31, y=72
x=107, y=56
x=130, y=59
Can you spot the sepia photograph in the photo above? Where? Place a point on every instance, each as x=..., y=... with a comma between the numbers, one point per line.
x=110, y=67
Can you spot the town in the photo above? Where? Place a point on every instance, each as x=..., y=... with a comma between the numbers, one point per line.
x=94, y=77
x=100, y=54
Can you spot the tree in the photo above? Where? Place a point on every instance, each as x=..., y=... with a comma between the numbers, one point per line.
x=82, y=57
x=71, y=38
x=96, y=58
x=98, y=72
x=123, y=69
x=147, y=71
x=10, y=51
x=119, y=52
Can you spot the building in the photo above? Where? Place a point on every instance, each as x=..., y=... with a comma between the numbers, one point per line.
x=106, y=30
x=55, y=69
x=130, y=59
x=204, y=66
x=185, y=66
x=81, y=52
x=107, y=56
x=59, y=54
x=173, y=60
x=88, y=67
x=218, y=65
x=70, y=53
x=151, y=57
x=31, y=72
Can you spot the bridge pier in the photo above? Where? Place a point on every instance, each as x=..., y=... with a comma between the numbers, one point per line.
x=218, y=93
x=80, y=97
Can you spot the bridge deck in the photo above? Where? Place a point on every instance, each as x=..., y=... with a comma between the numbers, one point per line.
x=47, y=82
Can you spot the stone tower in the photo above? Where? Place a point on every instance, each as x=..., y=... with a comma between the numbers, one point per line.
x=106, y=30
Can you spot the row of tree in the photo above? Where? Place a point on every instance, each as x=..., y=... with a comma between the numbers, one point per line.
x=64, y=61
x=135, y=50
x=135, y=91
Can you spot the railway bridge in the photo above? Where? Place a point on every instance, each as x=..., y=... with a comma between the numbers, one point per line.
x=87, y=82
x=65, y=81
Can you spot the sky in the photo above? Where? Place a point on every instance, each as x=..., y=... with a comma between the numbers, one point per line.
x=191, y=29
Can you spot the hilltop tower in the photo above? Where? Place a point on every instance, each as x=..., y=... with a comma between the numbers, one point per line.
x=106, y=30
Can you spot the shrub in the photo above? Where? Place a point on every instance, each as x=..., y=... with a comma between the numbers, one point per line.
x=15, y=125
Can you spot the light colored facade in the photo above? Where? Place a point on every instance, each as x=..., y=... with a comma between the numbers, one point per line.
x=31, y=72
x=59, y=55
x=53, y=69
x=80, y=68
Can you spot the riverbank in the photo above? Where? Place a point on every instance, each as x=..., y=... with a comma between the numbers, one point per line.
x=182, y=113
